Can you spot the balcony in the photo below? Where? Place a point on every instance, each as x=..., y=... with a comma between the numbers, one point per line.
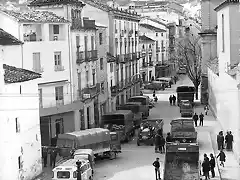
x=122, y=33
x=114, y=90
x=91, y=55
x=32, y=32
x=149, y=51
x=143, y=51
x=111, y=58
x=90, y=91
x=38, y=70
x=150, y=63
x=130, y=33
x=158, y=49
x=59, y=68
x=144, y=65
x=163, y=49
x=80, y=57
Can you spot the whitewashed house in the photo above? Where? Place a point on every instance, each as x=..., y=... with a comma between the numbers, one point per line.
x=20, y=142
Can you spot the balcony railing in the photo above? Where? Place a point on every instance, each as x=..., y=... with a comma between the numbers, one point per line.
x=58, y=68
x=80, y=57
x=163, y=49
x=143, y=51
x=150, y=51
x=91, y=55
x=91, y=91
x=158, y=49
x=130, y=33
x=114, y=90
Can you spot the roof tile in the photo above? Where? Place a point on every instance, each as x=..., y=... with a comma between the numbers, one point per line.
x=8, y=39
x=16, y=75
x=148, y=26
x=145, y=38
x=54, y=2
x=35, y=16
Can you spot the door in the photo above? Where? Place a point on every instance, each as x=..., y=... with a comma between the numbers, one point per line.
x=85, y=45
x=96, y=115
x=88, y=118
x=79, y=84
x=82, y=120
x=92, y=42
x=45, y=127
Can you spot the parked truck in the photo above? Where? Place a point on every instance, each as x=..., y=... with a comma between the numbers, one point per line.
x=185, y=93
x=182, y=161
x=102, y=142
x=183, y=130
x=121, y=121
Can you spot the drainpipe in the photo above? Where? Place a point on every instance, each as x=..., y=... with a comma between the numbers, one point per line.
x=19, y=37
x=69, y=54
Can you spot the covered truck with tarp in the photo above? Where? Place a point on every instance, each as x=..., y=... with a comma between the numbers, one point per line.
x=97, y=139
x=185, y=93
x=121, y=121
x=186, y=108
x=183, y=130
x=182, y=161
x=137, y=110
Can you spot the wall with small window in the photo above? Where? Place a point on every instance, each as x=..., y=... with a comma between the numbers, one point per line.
x=57, y=32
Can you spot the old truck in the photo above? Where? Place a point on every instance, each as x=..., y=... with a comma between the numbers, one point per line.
x=182, y=161
x=136, y=109
x=186, y=108
x=145, y=104
x=102, y=142
x=185, y=93
x=121, y=121
x=183, y=130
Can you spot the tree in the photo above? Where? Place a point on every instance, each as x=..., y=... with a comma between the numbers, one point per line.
x=189, y=54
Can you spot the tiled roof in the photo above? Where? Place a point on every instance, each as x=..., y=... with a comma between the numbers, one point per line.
x=35, y=16
x=156, y=21
x=214, y=65
x=8, y=39
x=225, y=3
x=148, y=26
x=145, y=38
x=158, y=3
x=54, y=2
x=16, y=75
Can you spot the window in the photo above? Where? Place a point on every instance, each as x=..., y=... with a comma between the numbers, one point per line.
x=100, y=38
x=77, y=41
x=156, y=34
x=87, y=78
x=111, y=82
x=57, y=58
x=37, y=62
x=111, y=67
x=102, y=86
x=120, y=27
x=59, y=93
x=59, y=126
x=101, y=64
x=63, y=174
x=223, y=40
x=162, y=57
x=161, y=34
x=115, y=25
x=40, y=97
x=92, y=42
x=19, y=162
x=17, y=125
x=55, y=29
x=94, y=76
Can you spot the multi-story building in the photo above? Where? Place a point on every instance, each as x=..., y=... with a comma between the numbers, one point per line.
x=146, y=65
x=20, y=142
x=122, y=35
x=223, y=87
x=46, y=50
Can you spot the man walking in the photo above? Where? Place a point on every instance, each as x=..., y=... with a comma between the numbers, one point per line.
x=157, y=143
x=222, y=157
x=195, y=119
x=201, y=116
x=45, y=156
x=156, y=164
x=212, y=165
x=230, y=140
x=220, y=140
x=162, y=144
x=53, y=156
x=174, y=100
x=170, y=100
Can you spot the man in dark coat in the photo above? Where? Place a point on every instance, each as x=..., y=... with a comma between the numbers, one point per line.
x=212, y=165
x=230, y=140
x=53, y=156
x=195, y=119
x=222, y=157
x=45, y=156
x=169, y=137
x=156, y=164
x=170, y=100
x=157, y=142
x=201, y=116
x=220, y=140
x=162, y=144
x=206, y=168
x=174, y=99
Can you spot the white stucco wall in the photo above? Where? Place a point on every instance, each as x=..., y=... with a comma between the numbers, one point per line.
x=27, y=142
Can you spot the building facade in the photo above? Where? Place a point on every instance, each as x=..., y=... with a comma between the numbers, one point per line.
x=146, y=64
x=19, y=112
x=122, y=34
x=227, y=99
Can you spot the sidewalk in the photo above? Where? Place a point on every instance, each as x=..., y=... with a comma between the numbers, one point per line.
x=231, y=170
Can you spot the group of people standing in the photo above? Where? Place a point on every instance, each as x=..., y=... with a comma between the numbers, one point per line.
x=53, y=155
x=172, y=100
x=196, y=118
x=228, y=141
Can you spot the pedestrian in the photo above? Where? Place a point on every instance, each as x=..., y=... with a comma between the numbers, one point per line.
x=175, y=79
x=157, y=142
x=227, y=141
x=230, y=140
x=162, y=144
x=195, y=119
x=155, y=99
x=206, y=168
x=44, y=155
x=170, y=84
x=212, y=165
x=220, y=140
x=206, y=110
x=141, y=93
x=222, y=157
x=156, y=164
x=154, y=93
x=170, y=100
x=53, y=156
x=201, y=116
x=174, y=100
x=169, y=137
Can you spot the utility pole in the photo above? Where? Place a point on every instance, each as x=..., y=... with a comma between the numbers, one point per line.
x=78, y=163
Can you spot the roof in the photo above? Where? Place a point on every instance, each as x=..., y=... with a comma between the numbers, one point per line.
x=100, y=25
x=226, y=3
x=145, y=38
x=153, y=28
x=35, y=16
x=8, y=39
x=156, y=21
x=55, y=2
x=17, y=75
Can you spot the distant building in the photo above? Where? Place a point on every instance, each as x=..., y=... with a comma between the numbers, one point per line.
x=20, y=142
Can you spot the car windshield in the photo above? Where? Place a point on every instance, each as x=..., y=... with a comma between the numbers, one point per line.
x=63, y=174
x=182, y=126
x=142, y=100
